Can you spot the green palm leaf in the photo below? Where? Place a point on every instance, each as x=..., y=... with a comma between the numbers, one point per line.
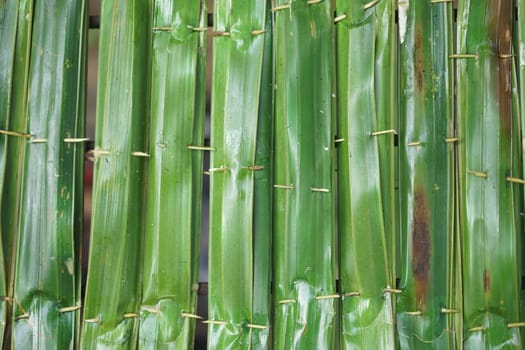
x=175, y=177
x=519, y=101
x=488, y=135
x=236, y=84
x=365, y=171
x=303, y=247
x=15, y=141
x=8, y=26
x=115, y=261
x=263, y=180
x=425, y=308
x=47, y=272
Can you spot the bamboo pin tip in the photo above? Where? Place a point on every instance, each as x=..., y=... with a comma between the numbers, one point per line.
x=449, y=311
x=414, y=313
x=76, y=140
x=515, y=180
x=200, y=148
x=392, y=290
x=197, y=29
x=258, y=32
x=151, y=309
x=463, y=56
x=370, y=4
x=476, y=329
x=322, y=190
x=24, y=316
x=280, y=8
x=162, y=29
x=478, y=174
x=327, y=297
x=213, y=322
x=516, y=325
x=69, y=309
x=15, y=134
x=140, y=154
x=219, y=34
x=98, y=152
x=384, y=132
x=284, y=187
x=191, y=315
x=221, y=169
x=92, y=320
x=256, y=326
x=36, y=140
x=340, y=18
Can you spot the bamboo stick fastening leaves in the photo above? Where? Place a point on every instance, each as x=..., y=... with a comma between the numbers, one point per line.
x=175, y=177
x=115, y=260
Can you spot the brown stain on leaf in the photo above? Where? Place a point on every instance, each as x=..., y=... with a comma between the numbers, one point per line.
x=419, y=68
x=499, y=14
x=421, y=246
x=486, y=281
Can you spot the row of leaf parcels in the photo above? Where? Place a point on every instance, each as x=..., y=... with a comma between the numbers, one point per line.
x=304, y=295
x=240, y=216
x=131, y=239
x=147, y=177
x=41, y=172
